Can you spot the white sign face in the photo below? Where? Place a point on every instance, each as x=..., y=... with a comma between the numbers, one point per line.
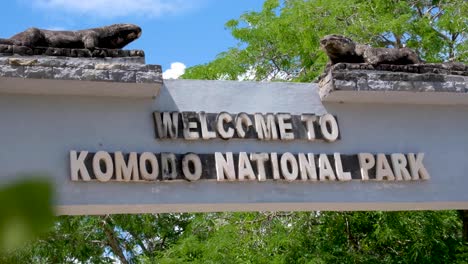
x=256, y=166
x=232, y=146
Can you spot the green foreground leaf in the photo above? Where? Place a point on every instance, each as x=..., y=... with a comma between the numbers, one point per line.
x=26, y=212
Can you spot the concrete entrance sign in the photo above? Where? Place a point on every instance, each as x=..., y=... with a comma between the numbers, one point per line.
x=115, y=138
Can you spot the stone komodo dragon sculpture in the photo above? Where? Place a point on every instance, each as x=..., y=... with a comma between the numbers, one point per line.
x=342, y=49
x=114, y=36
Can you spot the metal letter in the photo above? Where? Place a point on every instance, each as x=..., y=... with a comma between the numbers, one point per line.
x=153, y=162
x=225, y=167
x=366, y=162
x=166, y=125
x=266, y=130
x=245, y=168
x=399, y=167
x=418, y=171
x=325, y=169
x=288, y=158
x=108, y=164
x=222, y=118
x=193, y=159
x=77, y=166
x=206, y=134
x=285, y=126
x=275, y=165
x=341, y=175
x=125, y=172
x=307, y=167
x=332, y=134
x=260, y=159
x=242, y=120
x=168, y=166
x=190, y=125
x=309, y=120
x=383, y=169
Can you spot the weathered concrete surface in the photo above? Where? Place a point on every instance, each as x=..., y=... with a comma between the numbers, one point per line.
x=417, y=83
x=38, y=133
x=125, y=69
x=52, y=75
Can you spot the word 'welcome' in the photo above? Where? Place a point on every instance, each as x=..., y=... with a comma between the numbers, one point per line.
x=280, y=126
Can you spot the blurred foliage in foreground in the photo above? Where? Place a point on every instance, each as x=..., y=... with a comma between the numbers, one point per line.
x=26, y=213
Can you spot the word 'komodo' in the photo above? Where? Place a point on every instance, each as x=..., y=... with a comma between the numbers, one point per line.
x=114, y=36
x=343, y=49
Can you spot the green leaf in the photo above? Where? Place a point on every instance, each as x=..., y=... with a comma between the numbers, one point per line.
x=27, y=212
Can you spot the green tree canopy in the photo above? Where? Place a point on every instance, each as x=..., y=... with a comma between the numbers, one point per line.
x=320, y=237
x=281, y=42
x=263, y=237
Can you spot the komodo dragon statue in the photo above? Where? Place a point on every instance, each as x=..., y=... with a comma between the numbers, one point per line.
x=343, y=49
x=114, y=36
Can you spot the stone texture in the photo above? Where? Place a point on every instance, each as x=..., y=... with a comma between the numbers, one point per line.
x=68, y=73
x=123, y=76
x=95, y=75
x=438, y=68
x=148, y=77
x=11, y=71
x=107, y=66
x=125, y=69
x=38, y=72
x=447, y=77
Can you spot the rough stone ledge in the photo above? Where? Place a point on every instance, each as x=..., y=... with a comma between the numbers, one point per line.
x=66, y=52
x=419, y=83
x=451, y=68
x=89, y=69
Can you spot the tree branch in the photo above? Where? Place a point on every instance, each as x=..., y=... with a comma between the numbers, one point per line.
x=139, y=242
x=112, y=239
x=386, y=41
x=437, y=15
x=420, y=13
x=163, y=241
x=428, y=11
x=441, y=34
x=397, y=40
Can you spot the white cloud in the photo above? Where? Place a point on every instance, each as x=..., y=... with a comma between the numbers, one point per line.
x=119, y=8
x=176, y=70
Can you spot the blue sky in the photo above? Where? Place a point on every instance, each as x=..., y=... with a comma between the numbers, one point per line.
x=187, y=31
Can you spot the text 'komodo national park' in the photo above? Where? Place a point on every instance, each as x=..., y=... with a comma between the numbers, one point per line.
x=104, y=166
